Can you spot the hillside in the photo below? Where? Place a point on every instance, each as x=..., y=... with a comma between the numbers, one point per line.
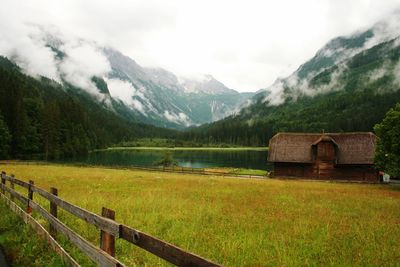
x=347, y=86
x=50, y=120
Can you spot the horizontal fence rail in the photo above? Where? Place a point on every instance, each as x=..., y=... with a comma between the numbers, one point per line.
x=110, y=229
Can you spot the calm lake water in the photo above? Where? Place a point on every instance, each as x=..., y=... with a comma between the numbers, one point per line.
x=250, y=159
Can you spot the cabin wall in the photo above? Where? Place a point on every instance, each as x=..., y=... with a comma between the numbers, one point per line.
x=326, y=171
x=284, y=169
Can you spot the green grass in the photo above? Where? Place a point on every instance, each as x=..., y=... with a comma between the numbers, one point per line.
x=235, y=222
x=249, y=172
x=165, y=142
x=237, y=171
x=187, y=148
x=21, y=244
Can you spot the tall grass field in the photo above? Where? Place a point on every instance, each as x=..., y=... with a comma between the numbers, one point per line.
x=232, y=221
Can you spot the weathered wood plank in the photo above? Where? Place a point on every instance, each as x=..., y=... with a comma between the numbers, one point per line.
x=53, y=211
x=163, y=249
x=21, y=183
x=102, y=223
x=12, y=185
x=21, y=198
x=30, y=196
x=41, y=232
x=16, y=181
x=3, y=181
x=107, y=241
x=96, y=254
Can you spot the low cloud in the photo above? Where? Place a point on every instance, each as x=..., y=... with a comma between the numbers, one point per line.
x=122, y=90
x=22, y=44
x=293, y=86
x=33, y=48
x=81, y=63
x=127, y=93
x=396, y=73
x=136, y=104
x=179, y=118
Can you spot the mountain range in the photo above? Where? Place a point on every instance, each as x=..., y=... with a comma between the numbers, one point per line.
x=160, y=97
x=141, y=94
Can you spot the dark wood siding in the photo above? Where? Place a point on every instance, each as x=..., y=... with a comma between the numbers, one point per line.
x=326, y=171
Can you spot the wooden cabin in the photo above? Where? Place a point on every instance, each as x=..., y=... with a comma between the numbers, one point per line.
x=346, y=156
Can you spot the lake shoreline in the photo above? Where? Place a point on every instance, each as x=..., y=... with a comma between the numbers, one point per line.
x=184, y=148
x=194, y=158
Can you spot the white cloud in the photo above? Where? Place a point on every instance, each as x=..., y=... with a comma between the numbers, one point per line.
x=177, y=118
x=138, y=105
x=396, y=73
x=22, y=43
x=122, y=90
x=81, y=63
x=376, y=74
x=126, y=92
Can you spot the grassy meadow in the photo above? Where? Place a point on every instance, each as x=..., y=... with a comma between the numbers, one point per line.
x=233, y=221
x=185, y=148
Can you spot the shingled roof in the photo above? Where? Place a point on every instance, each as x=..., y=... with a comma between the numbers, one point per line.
x=353, y=148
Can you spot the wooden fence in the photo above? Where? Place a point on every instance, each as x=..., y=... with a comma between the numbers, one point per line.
x=109, y=228
x=171, y=169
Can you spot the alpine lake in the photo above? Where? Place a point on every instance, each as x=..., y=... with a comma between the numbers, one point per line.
x=244, y=158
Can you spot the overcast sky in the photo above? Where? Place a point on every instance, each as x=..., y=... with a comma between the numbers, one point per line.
x=244, y=44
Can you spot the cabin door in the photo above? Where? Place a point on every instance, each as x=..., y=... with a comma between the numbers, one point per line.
x=325, y=159
x=326, y=151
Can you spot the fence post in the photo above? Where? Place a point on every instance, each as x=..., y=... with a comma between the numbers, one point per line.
x=107, y=241
x=3, y=181
x=12, y=186
x=53, y=211
x=30, y=196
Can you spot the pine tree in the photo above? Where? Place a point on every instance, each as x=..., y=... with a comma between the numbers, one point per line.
x=5, y=139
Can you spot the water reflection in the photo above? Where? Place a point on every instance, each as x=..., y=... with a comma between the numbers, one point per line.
x=249, y=159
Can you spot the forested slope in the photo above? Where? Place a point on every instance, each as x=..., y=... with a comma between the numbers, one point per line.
x=46, y=119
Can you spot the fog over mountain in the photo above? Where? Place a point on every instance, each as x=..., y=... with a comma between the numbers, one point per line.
x=335, y=52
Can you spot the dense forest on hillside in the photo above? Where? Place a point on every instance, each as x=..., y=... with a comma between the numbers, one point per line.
x=39, y=117
x=356, y=104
